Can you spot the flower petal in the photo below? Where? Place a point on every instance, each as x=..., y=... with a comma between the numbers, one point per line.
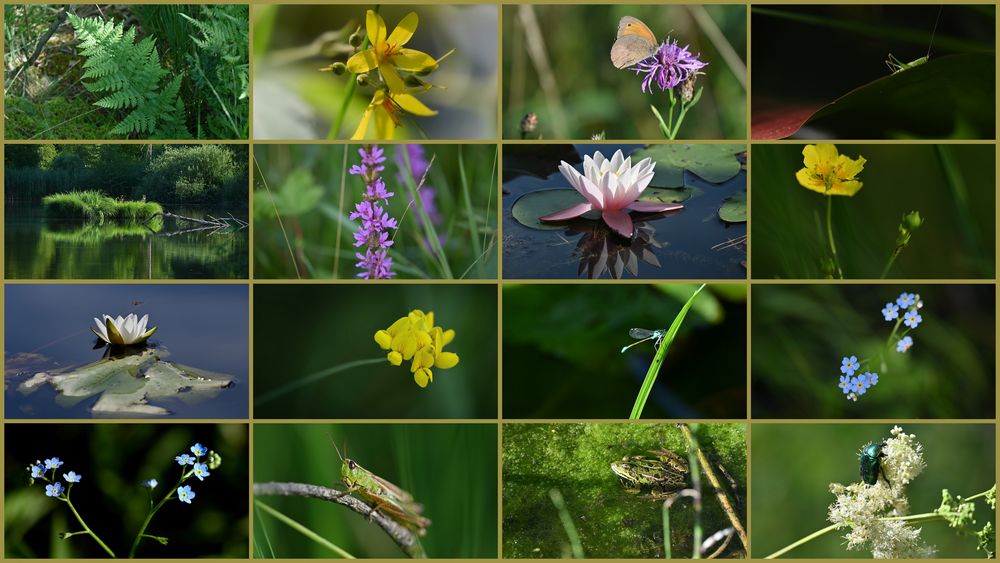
x=823, y=153
x=404, y=30
x=412, y=105
x=385, y=127
x=568, y=213
x=619, y=220
x=362, y=61
x=375, y=26
x=446, y=360
x=114, y=337
x=809, y=181
x=848, y=188
x=392, y=78
x=362, y=129
x=653, y=207
x=413, y=60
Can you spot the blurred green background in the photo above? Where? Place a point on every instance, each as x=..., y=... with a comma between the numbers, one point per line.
x=952, y=186
x=562, y=359
x=802, y=332
x=593, y=96
x=293, y=100
x=793, y=465
x=303, y=329
x=305, y=190
x=113, y=460
x=576, y=460
x=450, y=468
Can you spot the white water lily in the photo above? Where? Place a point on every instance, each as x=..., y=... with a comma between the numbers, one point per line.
x=127, y=331
x=613, y=188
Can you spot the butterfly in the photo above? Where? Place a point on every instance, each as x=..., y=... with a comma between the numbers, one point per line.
x=635, y=43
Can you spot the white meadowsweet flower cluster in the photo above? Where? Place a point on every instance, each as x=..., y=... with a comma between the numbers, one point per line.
x=864, y=508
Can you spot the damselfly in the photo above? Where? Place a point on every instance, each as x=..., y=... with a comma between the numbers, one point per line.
x=642, y=335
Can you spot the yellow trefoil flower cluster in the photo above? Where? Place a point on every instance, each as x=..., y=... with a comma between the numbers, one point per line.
x=828, y=172
x=414, y=338
x=387, y=54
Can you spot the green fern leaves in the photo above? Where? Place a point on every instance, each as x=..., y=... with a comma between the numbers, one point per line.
x=129, y=76
x=220, y=65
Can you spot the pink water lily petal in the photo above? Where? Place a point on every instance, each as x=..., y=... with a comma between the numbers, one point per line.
x=653, y=207
x=619, y=220
x=568, y=213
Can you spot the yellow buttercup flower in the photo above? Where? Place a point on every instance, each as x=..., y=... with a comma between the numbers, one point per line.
x=828, y=172
x=388, y=109
x=387, y=53
x=414, y=338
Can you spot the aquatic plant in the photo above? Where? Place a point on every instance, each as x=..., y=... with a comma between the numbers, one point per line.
x=94, y=206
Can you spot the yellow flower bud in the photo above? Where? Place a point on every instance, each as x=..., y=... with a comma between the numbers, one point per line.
x=448, y=336
x=383, y=339
x=395, y=358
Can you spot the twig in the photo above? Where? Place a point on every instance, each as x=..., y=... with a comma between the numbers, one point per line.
x=403, y=537
x=727, y=506
x=540, y=59
x=60, y=18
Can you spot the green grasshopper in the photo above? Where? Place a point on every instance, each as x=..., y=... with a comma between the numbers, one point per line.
x=896, y=65
x=382, y=495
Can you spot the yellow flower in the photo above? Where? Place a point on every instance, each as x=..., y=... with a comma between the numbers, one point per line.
x=388, y=108
x=828, y=172
x=387, y=53
x=415, y=338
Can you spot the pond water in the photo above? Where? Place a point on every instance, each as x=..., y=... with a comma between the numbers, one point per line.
x=691, y=243
x=47, y=328
x=41, y=247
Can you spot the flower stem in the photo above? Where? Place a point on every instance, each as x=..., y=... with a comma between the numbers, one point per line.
x=88, y=530
x=888, y=265
x=153, y=511
x=829, y=236
x=924, y=517
x=335, y=128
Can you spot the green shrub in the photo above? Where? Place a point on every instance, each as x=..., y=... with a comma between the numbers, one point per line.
x=199, y=174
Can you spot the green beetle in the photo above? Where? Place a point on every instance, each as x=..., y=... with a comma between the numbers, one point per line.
x=870, y=458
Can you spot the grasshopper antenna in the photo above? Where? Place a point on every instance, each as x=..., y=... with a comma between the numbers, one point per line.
x=934, y=31
x=335, y=446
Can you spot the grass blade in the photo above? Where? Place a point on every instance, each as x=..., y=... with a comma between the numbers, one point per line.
x=654, y=368
x=303, y=530
x=473, y=227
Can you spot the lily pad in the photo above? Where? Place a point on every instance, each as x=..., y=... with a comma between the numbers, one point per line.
x=126, y=386
x=712, y=163
x=529, y=207
x=734, y=208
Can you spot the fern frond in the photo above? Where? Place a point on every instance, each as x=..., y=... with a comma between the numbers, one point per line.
x=128, y=74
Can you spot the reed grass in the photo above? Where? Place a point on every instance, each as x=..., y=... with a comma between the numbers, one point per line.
x=95, y=206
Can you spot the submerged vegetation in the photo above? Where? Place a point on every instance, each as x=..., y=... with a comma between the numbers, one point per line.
x=95, y=206
x=142, y=72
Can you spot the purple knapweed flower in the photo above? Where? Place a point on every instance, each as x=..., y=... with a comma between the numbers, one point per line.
x=670, y=66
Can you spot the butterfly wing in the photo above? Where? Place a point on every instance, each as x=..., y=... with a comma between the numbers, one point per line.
x=634, y=44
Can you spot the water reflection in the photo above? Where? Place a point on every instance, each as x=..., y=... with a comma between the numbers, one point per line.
x=203, y=246
x=602, y=251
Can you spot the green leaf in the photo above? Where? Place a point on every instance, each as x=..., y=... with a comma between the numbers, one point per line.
x=712, y=163
x=529, y=207
x=299, y=195
x=734, y=208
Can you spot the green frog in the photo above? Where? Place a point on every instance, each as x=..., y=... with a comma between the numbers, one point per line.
x=654, y=478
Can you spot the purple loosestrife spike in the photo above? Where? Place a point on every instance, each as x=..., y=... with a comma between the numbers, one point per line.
x=373, y=232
